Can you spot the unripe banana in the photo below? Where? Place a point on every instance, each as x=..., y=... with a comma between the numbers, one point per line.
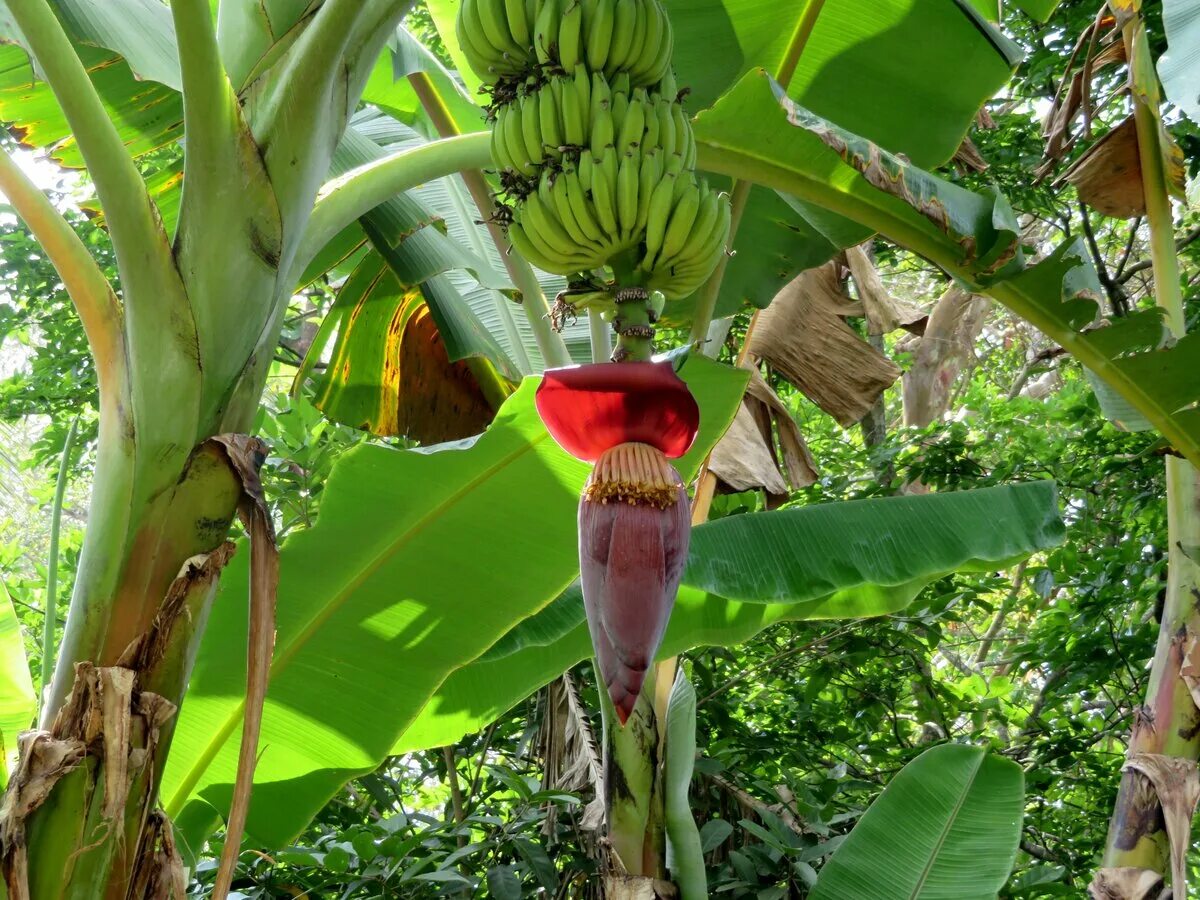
x=668, y=87
x=607, y=163
x=666, y=125
x=651, y=62
x=624, y=22
x=545, y=31
x=531, y=130
x=543, y=227
x=488, y=61
x=650, y=138
x=604, y=198
x=627, y=193
x=495, y=27
x=657, y=217
x=599, y=34
x=586, y=170
x=701, y=231
x=649, y=174
x=535, y=252
x=619, y=106
x=632, y=128
x=580, y=207
x=583, y=89
x=570, y=35
x=683, y=130
x=518, y=22
x=633, y=59
x=514, y=140
x=683, y=217
x=574, y=112
x=601, y=123
x=548, y=111
x=566, y=215
x=500, y=154
x=620, y=83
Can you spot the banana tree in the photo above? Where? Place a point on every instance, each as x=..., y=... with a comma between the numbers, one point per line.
x=271, y=192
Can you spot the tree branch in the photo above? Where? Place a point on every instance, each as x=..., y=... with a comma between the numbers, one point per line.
x=86, y=285
x=1145, y=264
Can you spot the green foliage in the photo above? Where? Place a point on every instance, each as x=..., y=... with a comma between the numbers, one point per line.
x=946, y=826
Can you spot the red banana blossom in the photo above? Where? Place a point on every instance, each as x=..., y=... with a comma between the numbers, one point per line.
x=634, y=520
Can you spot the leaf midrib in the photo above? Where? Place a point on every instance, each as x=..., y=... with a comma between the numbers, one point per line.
x=188, y=783
x=951, y=819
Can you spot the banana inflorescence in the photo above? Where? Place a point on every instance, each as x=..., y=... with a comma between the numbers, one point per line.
x=596, y=154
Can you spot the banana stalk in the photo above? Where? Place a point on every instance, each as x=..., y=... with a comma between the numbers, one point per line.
x=1150, y=831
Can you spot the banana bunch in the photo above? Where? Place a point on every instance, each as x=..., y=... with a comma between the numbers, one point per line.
x=671, y=222
x=570, y=115
x=512, y=39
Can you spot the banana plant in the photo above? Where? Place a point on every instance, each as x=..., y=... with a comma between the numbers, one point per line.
x=182, y=347
x=210, y=251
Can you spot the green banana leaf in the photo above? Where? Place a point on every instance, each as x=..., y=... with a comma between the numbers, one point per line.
x=420, y=560
x=1179, y=67
x=745, y=573
x=947, y=826
x=18, y=700
x=757, y=132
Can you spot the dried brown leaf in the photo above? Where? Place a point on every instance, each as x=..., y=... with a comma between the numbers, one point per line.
x=1176, y=781
x=246, y=455
x=803, y=338
x=1125, y=883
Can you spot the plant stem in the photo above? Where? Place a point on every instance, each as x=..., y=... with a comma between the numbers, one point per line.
x=89, y=290
x=60, y=489
x=600, y=334
x=360, y=190
x=1170, y=722
x=533, y=298
x=740, y=190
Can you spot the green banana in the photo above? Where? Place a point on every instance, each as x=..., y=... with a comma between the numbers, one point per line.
x=545, y=31
x=624, y=22
x=586, y=170
x=641, y=26
x=535, y=253
x=583, y=89
x=499, y=149
x=531, y=131
x=548, y=111
x=632, y=127
x=650, y=114
x=514, y=140
x=683, y=130
x=599, y=35
x=649, y=174
x=543, y=226
x=488, y=62
x=574, y=113
x=593, y=240
x=495, y=26
x=627, y=193
x=582, y=210
x=646, y=67
x=601, y=123
x=570, y=36
x=518, y=22
x=619, y=107
x=604, y=200
x=607, y=163
x=566, y=215
x=701, y=230
x=658, y=216
x=666, y=125
x=620, y=83
x=683, y=217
